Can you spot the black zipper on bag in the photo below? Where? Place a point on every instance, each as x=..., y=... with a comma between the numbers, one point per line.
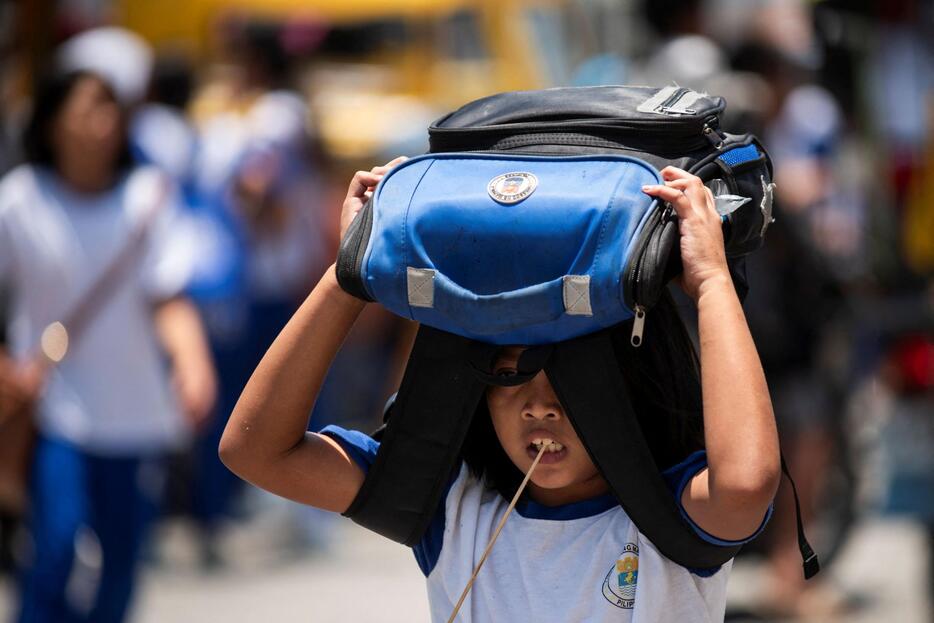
x=352, y=251
x=671, y=100
x=633, y=277
x=713, y=133
x=635, y=293
x=366, y=227
x=672, y=135
x=656, y=124
x=506, y=142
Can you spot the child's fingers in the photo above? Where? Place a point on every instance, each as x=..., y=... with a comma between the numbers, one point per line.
x=675, y=196
x=670, y=173
x=395, y=161
x=385, y=168
x=361, y=182
x=689, y=183
x=696, y=191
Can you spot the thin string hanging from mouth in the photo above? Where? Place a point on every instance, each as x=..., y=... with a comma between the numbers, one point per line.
x=502, y=522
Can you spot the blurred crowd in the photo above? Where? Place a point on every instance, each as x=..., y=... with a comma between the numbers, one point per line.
x=176, y=206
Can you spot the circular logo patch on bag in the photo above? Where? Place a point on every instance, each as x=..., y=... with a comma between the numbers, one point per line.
x=512, y=187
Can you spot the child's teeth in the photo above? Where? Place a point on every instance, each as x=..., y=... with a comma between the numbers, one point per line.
x=549, y=444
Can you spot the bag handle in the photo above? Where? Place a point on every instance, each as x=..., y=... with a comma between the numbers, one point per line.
x=506, y=311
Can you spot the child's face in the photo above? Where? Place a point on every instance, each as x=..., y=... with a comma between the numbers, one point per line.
x=529, y=415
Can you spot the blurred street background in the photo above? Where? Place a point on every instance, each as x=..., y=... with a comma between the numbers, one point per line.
x=256, y=113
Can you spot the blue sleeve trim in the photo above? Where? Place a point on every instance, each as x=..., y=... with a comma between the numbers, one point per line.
x=428, y=550
x=677, y=478
x=725, y=543
x=704, y=572
x=360, y=447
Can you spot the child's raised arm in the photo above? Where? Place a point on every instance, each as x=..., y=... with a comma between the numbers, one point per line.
x=729, y=499
x=265, y=441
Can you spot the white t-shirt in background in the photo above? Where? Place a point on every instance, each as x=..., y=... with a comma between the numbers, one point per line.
x=111, y=394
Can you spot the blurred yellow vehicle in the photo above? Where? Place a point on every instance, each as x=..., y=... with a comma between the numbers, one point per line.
x=388, y=67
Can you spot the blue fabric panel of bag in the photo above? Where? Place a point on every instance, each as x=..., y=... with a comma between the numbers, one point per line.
x=501, y=233
x=741, y=155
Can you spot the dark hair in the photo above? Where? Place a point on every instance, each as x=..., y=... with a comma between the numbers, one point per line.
x=51, y=93
x=663, y=381
x=172, y=80
x=669, y=18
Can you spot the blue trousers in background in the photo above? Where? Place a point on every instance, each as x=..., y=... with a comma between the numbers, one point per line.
x=117, y=498
x=213, y=485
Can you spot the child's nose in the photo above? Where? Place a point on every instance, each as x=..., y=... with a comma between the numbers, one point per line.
x=535, y=413
x=541, y=402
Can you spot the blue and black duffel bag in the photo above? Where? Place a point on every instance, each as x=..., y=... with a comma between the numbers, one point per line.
x=526, y=224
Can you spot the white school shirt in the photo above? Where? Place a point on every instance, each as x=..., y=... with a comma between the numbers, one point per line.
x=111, y=394
x=585, y=561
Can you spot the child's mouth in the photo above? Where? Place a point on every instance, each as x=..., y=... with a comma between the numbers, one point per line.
x=554, y=451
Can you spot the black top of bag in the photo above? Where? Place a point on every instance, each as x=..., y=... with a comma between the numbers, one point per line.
x=656, y=119
x=585, y=104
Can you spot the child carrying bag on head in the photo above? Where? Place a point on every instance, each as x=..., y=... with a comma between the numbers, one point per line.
x=551, y=374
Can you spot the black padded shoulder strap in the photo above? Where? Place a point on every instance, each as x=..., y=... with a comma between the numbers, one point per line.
x=590, y=386
x=422, y=440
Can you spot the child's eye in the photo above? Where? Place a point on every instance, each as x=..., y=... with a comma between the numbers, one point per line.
x=506, y=372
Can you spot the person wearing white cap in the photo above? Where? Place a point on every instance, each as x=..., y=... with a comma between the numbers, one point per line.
x=119, y=56
x=106, y=413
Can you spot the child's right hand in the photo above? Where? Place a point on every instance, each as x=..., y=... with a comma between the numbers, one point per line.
x=361, y=189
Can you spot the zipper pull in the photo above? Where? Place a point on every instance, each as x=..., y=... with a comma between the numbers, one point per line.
x=638, y=324
x=713, y=134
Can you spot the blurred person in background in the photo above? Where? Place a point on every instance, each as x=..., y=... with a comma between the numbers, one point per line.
x=255, y=193
x=159, y=130
x=10, y=513
x=827, y=305
x=158, y=85
x=163, y=135
x=109, y=412
x=255, y=153
x=901, y=64
x=801, y=278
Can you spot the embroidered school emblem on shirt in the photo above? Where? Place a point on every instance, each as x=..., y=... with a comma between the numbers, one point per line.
x=619, y=586
x=512, y=187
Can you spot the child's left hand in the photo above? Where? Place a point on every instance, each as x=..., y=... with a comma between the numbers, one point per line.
x=702, y=250
x=361, y=189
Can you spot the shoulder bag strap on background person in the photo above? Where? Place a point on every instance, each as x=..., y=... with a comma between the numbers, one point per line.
x=17, y=429
x=57, y=336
